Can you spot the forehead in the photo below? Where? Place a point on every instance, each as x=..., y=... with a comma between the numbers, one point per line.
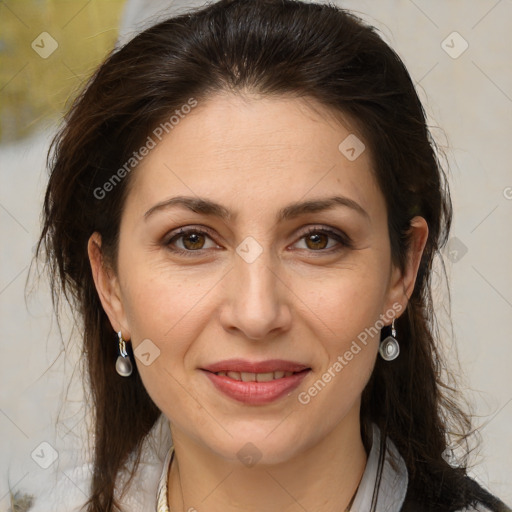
x=259, y=151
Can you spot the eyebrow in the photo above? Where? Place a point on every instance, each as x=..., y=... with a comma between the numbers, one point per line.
x=211, y=208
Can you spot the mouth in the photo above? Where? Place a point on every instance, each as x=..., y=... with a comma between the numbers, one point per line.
x=256, y=383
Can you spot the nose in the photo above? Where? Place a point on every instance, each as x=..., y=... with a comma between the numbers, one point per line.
x=256, y=301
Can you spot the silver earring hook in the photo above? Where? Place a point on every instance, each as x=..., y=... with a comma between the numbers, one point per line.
x=122, y=345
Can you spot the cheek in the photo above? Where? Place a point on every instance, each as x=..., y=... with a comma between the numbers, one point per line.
x=161, y=301
x=342, y=315
x=166, y=312
x=344, y=302
x=341, y=319
x=351, y=316
x=165, y=317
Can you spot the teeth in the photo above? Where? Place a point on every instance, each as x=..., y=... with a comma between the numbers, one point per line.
x=264, y=377
x=255, y=377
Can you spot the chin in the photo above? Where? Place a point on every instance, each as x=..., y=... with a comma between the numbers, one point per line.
x=257, y=444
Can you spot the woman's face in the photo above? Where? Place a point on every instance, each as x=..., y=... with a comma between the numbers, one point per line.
x=277, y=250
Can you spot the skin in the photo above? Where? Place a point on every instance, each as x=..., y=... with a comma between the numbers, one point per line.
x=299, y=300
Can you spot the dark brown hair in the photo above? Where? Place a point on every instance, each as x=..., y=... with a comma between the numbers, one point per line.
x=272, y=47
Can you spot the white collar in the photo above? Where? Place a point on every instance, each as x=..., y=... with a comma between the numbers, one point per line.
x=394, y=479
x=391, y=492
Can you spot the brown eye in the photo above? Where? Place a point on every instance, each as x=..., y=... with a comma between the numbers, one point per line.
x=188, y=241
x=317, y=241
x=193, y=241
x=323, y=240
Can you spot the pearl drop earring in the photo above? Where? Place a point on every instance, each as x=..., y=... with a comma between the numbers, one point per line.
x=124, y=365
x=389, y=347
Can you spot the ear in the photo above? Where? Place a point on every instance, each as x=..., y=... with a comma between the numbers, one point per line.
x=402, y=283
x=107, y=286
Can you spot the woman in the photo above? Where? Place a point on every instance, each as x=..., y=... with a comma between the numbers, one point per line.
x=245, y=204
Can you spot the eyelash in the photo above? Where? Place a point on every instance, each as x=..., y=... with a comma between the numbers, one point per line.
x=341, y=238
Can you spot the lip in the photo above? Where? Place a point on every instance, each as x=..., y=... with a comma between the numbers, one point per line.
x=242, y=365
x=256, y=393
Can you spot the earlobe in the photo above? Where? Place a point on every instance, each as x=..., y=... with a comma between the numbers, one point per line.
x=107, y=286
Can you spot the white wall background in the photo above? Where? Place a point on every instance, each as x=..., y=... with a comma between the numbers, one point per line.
x=469, y=96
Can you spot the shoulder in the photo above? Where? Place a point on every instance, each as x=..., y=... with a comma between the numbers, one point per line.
x=64, y=487
x=468, y=497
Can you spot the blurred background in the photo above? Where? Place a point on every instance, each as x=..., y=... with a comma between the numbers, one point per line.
x=48, y=47
x=458, y=54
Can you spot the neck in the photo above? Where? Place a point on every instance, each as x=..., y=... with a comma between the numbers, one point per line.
x=322, y=477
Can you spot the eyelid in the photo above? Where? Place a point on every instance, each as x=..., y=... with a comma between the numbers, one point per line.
x=183, y=230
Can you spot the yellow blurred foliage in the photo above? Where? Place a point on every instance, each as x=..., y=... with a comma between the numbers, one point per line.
x=48, y=48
